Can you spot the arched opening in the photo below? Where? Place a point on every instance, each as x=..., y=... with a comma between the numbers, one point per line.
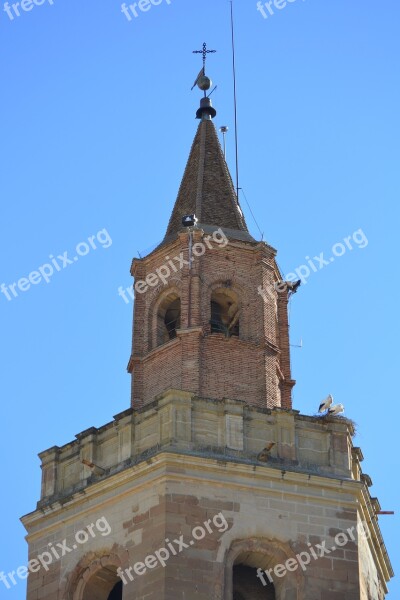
x=250, y=571
x=168, y=318
x=104, y=585
x=247, y=586
x=225, y=312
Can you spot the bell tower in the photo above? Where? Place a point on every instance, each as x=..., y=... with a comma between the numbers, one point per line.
x=210, y=486
x=200, y=322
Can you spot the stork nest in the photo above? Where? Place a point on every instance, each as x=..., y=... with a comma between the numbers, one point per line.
x=327, y=418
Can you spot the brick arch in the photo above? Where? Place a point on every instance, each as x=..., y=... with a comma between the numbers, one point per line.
x=265, y=554
x=89, y=568
x=213, y=284
x=158, y=295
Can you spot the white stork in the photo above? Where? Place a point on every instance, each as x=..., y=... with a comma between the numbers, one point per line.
x=336, y=409
x=325, y=404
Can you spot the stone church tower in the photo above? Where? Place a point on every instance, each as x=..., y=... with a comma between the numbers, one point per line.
x=210, y=486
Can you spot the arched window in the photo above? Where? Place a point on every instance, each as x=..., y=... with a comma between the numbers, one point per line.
x=250, y=571
x=247, y=586
x=225, y=312
x=168, y=318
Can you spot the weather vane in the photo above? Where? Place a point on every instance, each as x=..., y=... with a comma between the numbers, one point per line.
x=203, y=82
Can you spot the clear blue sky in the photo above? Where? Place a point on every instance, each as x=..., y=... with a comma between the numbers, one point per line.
x=97, y=123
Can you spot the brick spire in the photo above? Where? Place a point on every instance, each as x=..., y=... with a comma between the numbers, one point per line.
x=207, y=190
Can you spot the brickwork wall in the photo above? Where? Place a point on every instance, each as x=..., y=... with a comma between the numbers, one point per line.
x=162, y=370
x=232, y=368
x=254, y=368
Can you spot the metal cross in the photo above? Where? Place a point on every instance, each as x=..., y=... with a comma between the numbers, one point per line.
x=204, y=52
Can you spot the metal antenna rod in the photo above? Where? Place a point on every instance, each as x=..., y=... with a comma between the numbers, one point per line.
x=235, y=102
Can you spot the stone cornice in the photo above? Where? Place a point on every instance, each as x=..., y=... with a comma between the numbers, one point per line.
x=167, y=465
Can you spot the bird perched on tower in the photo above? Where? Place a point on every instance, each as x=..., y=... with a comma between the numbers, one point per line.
x=336, y=409
x=325, y=404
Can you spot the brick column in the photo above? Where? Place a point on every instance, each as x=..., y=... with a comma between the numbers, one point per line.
x=284, y=343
